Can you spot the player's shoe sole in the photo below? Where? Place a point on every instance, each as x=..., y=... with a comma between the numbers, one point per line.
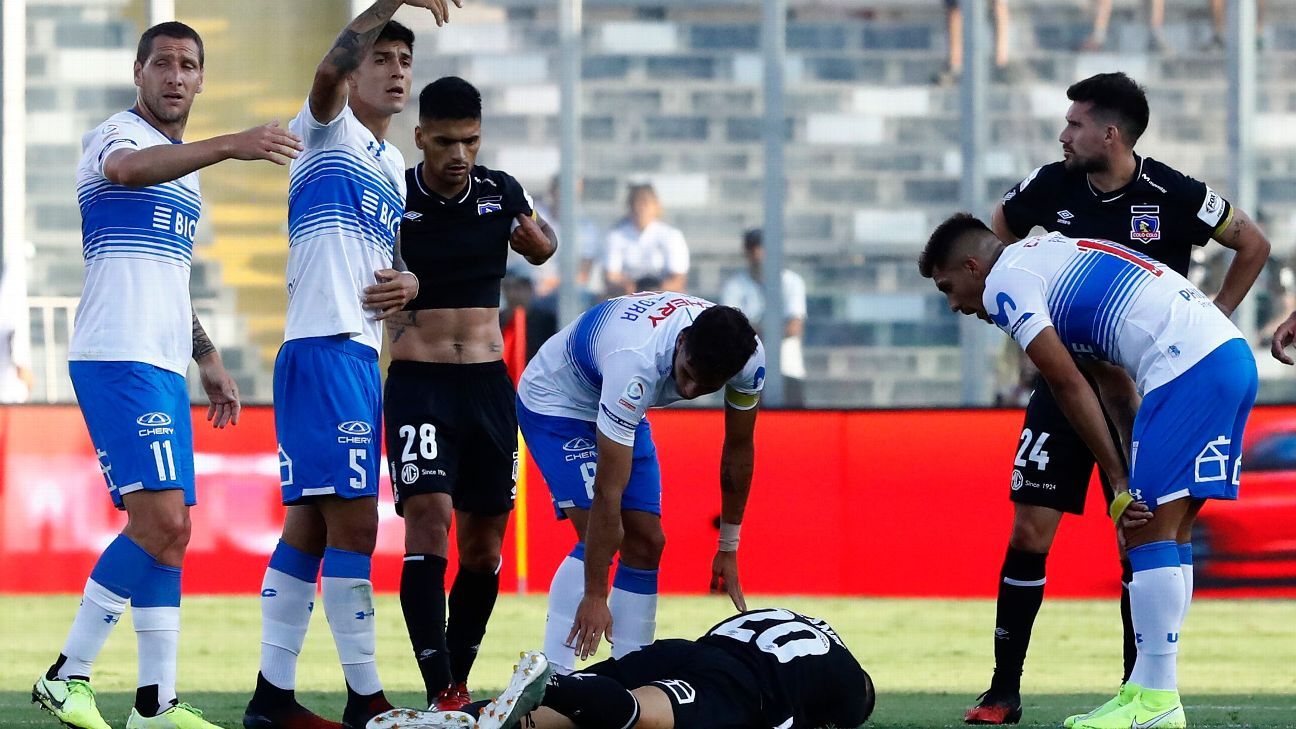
x=414, y=719
x=71, y=703
x=525, y=691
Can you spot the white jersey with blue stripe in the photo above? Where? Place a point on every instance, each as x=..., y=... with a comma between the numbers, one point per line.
x=1107, y=302
x=138, y=245
x=346, y=195
x=616, y=361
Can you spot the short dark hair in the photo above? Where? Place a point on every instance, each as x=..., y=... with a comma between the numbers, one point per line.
x=642, y=188
x=450, y=98
x=720, y=341
x=170, y=29
x=943, y=240
x=1118, y=97
x=753, y=238
x=395, y=31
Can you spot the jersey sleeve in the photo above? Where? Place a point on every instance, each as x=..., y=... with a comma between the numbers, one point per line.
x=317, y=135
x=112, y=136
x=517, y=201
x=628, y=381
x=1024, y=204
x=1207, y=212
x=1017, y=303
x=743, y=391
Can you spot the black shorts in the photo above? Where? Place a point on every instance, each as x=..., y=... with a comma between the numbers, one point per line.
x=708, y=688
x=452, y=429
x=1052, y=466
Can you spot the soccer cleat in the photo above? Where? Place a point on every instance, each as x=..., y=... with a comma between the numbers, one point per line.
x=1125, y=695
x=360, y=710
x=291, y=716
x=525, y=691
x=995, y=707
x=414, y=719
x=72, y=702
x=1148, y=710
x=179, y=716
x=453, y=698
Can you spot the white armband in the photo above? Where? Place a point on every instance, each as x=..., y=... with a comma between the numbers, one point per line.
x=729, y=536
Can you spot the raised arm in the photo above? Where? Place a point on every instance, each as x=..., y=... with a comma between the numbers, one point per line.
x=1252, y=248
x=166, y=162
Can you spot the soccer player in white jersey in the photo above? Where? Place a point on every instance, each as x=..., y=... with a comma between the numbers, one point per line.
x=135, y=334
x=581, y=407
x=345, y=200
x=1074, y=303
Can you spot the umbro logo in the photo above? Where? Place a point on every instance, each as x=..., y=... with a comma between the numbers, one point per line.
x=1064, y=217
x=412, y=215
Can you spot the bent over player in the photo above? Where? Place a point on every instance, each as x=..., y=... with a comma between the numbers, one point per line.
x=582, y=403
x=759, y=669
x=1100, y=189
x=135, y=333
x=1099, y=302
x=450, y=420
x=345, y=199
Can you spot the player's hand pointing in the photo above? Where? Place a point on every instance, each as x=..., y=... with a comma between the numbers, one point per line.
x=724, y=578
x=222, y=392
x=269, y=142
x=1282, y=339
x=593, y=621
x=440, y=8
x=529, y=240
x=393, y=291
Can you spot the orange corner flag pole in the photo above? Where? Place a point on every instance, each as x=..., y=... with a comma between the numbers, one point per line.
x=515, y=356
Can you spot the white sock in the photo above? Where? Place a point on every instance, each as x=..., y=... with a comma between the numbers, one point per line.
x=565, y=594
x=349, y=607
x=1156, y=606
x=634, y=609
x=157, y=632
x=286, y=605
x=1185, y=564
x=100, y=610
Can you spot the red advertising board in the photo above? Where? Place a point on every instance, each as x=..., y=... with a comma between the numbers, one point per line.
x=904, y=503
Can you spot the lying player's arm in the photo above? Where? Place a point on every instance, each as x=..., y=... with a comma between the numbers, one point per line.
x=222, y=391
x=1119, y=397
x=1252, y=252
x=737, y=461
x=328, y=93
x=999, y=224
x=603, y=534
x=166, y=162
x=534, y=239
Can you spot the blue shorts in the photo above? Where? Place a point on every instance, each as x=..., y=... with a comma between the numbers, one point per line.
x=328, y=418
x=565, y=451
x=138, y=418
x=1188, y=432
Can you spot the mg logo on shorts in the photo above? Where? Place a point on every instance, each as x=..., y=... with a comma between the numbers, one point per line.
x=154, y=424
x=409, y=473
x=1017, y=480
x=355, y=431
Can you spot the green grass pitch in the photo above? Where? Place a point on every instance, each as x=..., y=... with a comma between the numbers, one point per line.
x=929, y=658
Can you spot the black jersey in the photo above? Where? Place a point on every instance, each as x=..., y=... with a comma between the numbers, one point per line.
x=458, y=247
x=807, y=677
x=1162, y=213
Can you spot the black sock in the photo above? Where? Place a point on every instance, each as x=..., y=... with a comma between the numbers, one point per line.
x=1021, y=590
x=1127, y=620
x=146, y=701
x=591, y=701
x=52, y=673
x=472, y=598
x=268, y=695
x=422, y=596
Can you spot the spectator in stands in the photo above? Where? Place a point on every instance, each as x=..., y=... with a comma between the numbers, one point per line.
x=1102, y=18
x=1219, y=23
x=954, y=23
x=642, y=246
x=541, y=323
x=745, y=292
x=546, y=277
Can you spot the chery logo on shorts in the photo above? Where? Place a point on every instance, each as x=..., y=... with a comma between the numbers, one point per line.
x=153, y=419
x=578, y=444
x=356, y=432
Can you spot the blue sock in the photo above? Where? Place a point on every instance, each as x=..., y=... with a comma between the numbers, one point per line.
x=1157, y=606
x=634, y=608
x=155, y=610
x=1186, y=564
x=287, y=599
x=117, y=574
x=349, y=607
x=122, y=566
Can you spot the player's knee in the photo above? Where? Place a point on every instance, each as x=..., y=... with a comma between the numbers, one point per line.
x=480, y=555
x=427, y=525
x=1033, y=532
x=643, y=549
x=354, y=535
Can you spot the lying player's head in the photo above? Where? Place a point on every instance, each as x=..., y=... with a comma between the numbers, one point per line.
x=1108, y=114
x=958, y=257
x=382, y=81
x=643, y=205
x=449, y=130
x=714, y=348
x=169, y=70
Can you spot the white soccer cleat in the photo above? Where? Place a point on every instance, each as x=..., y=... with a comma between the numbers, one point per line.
x=525, y=691
x=415, y=719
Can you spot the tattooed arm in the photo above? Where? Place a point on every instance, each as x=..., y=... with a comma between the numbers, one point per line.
x=222, y=392
x=1252, y=252
x=202, y=344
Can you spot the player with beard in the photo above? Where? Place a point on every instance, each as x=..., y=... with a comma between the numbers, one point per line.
x=135, y=334
x=1101, y=189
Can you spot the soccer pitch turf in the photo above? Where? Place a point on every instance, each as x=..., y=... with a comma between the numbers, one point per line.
x=928, y=658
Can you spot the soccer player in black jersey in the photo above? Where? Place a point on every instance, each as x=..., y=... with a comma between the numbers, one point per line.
x=1101, y=189
x=759, y=669
x=451, y=427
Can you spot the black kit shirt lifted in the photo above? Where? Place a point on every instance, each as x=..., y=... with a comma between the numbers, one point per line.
x=458, y=247
x=1161, y=213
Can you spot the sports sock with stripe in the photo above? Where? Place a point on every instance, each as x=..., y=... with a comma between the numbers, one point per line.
x=634, y=609
x=349, y=607
x=591, y=701
x=287, y=601
x=471, y=602
x=1021, y=591
x=423, y=602
x=566, y=591
x=155, y=611
x=119, y=571
x=1157, y=604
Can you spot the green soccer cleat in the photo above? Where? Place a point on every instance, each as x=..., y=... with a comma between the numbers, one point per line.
x=180, y=716
x=1149, y=710
x=72, y=702
x=1126, y=694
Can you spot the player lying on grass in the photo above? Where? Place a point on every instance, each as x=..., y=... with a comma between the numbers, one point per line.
x=1072, y=303
x=756, y=670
